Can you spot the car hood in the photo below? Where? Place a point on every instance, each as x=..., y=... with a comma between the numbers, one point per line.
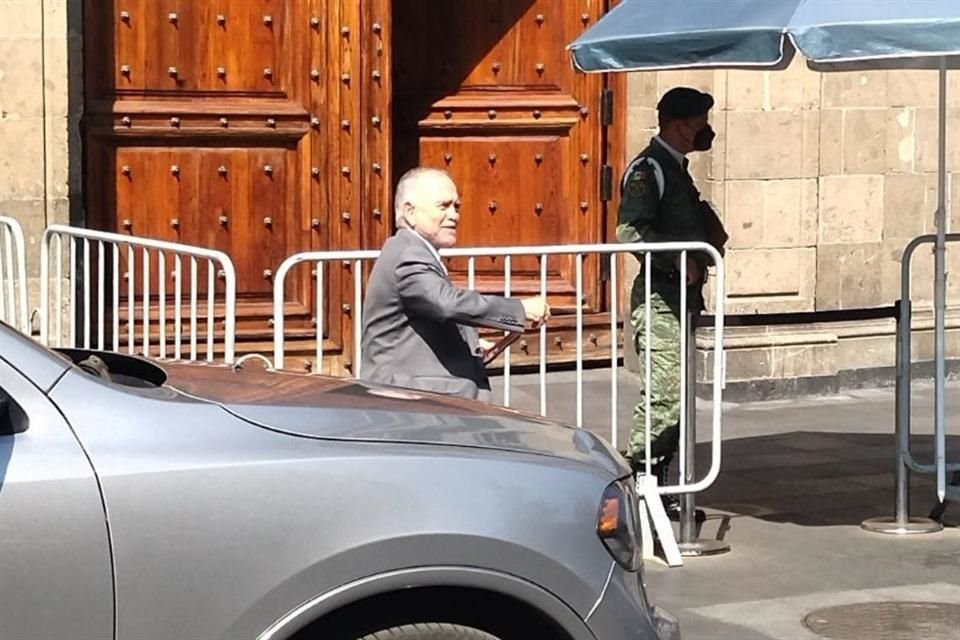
x=323, y=407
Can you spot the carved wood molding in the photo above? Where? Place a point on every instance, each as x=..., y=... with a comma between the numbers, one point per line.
x=189, y=105
x=507, y=111
x=279, y=121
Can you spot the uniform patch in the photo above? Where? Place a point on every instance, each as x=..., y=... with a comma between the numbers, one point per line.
x=637, y=184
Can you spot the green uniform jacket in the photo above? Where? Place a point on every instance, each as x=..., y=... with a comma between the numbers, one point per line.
x=677, y=216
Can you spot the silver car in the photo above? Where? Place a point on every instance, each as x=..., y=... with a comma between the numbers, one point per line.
x=143, y=500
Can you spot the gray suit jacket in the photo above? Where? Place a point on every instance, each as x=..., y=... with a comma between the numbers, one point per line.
x=418, y=328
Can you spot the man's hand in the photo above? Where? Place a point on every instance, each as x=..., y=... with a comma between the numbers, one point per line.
x=486, y=346
x=694, y=272
x=536, y=309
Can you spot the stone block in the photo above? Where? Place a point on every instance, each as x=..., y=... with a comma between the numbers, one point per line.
x=855, y=89
x=851, y=209
x=20, y=18
x=21, y=163
x=21, y=77
x=831, y=142
x=742, y=364
x=641, y=126
x=59, y=210
x=59, y=161
x=868, y=352
x=849, y=276
x=720, y=93
x=642, y=90
x=770, y=280
x=909, y=204
x=790, y=213
x=699, y=168
x=864, y=140
x=748, y=90
x=804, y=360
x=715, y=160
x=796, y=87
x=901, y=140
x=913, y=88
x=743, y=211
x=701, y=79
x=927, y=139
x=62, y=83
x=810, y=145
x=774, y=144
x=792, y=89
x=62, y=17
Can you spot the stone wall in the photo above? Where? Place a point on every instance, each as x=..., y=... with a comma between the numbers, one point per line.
x=40, y=107
x=821, y=179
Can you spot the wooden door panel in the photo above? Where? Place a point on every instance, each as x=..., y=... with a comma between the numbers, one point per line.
x=201, y=128
x=212, y=46
x=519, y=130
x=515, y=189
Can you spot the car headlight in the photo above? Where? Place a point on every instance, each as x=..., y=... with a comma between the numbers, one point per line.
x=617, y=526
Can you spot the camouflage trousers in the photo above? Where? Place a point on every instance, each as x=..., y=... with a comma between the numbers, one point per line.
x=664, y=391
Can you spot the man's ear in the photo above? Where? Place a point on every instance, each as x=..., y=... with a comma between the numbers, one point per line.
x=408, y=210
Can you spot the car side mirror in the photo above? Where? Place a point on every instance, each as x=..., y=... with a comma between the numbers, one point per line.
x=12, y=418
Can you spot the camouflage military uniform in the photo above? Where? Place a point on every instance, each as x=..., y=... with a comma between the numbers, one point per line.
x=646, y=216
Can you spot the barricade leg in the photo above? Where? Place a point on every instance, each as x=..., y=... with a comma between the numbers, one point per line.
x=652, y=511
x=690, y=517
x=901, y=523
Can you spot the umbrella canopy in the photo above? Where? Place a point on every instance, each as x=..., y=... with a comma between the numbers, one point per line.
x=659, y=34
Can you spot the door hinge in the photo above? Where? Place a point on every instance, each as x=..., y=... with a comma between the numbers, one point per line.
x=606, y=183
x=606, y=107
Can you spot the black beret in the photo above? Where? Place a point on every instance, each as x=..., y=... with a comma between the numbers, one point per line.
x=684, y=102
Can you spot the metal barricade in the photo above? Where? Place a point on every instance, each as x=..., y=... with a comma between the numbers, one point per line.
x=111, y=267
x=902, y=523
x=13, y=275
x=687, y=484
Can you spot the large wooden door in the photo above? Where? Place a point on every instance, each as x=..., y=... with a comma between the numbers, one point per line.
x=267, y=127
x=485, y=89
x=203, y=127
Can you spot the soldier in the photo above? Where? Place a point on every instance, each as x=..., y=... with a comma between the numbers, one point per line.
x=659, y=203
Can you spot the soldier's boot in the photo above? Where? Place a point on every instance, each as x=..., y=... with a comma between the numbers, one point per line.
x=671, y=504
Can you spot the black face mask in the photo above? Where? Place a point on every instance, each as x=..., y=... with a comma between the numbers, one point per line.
x=703, y=139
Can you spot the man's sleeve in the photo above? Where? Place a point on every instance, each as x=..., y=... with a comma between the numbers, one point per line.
x=425, y=291
x=639, y=204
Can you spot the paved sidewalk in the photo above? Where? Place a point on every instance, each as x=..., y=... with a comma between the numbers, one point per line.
x=797, y=478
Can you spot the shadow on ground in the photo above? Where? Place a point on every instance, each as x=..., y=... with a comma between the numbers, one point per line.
x=817, y=479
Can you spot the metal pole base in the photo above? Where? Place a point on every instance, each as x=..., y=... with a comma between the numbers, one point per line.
x=703, y=547
x=889, y=525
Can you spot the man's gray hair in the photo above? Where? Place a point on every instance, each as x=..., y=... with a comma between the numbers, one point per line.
x=407, y=186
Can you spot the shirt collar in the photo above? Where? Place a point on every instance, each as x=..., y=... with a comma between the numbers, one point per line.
x=679, y=157
x=433, y=249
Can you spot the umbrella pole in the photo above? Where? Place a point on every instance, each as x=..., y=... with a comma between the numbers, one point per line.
x=940, y=287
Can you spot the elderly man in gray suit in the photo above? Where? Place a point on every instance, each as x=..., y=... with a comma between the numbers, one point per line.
x=418, y=327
